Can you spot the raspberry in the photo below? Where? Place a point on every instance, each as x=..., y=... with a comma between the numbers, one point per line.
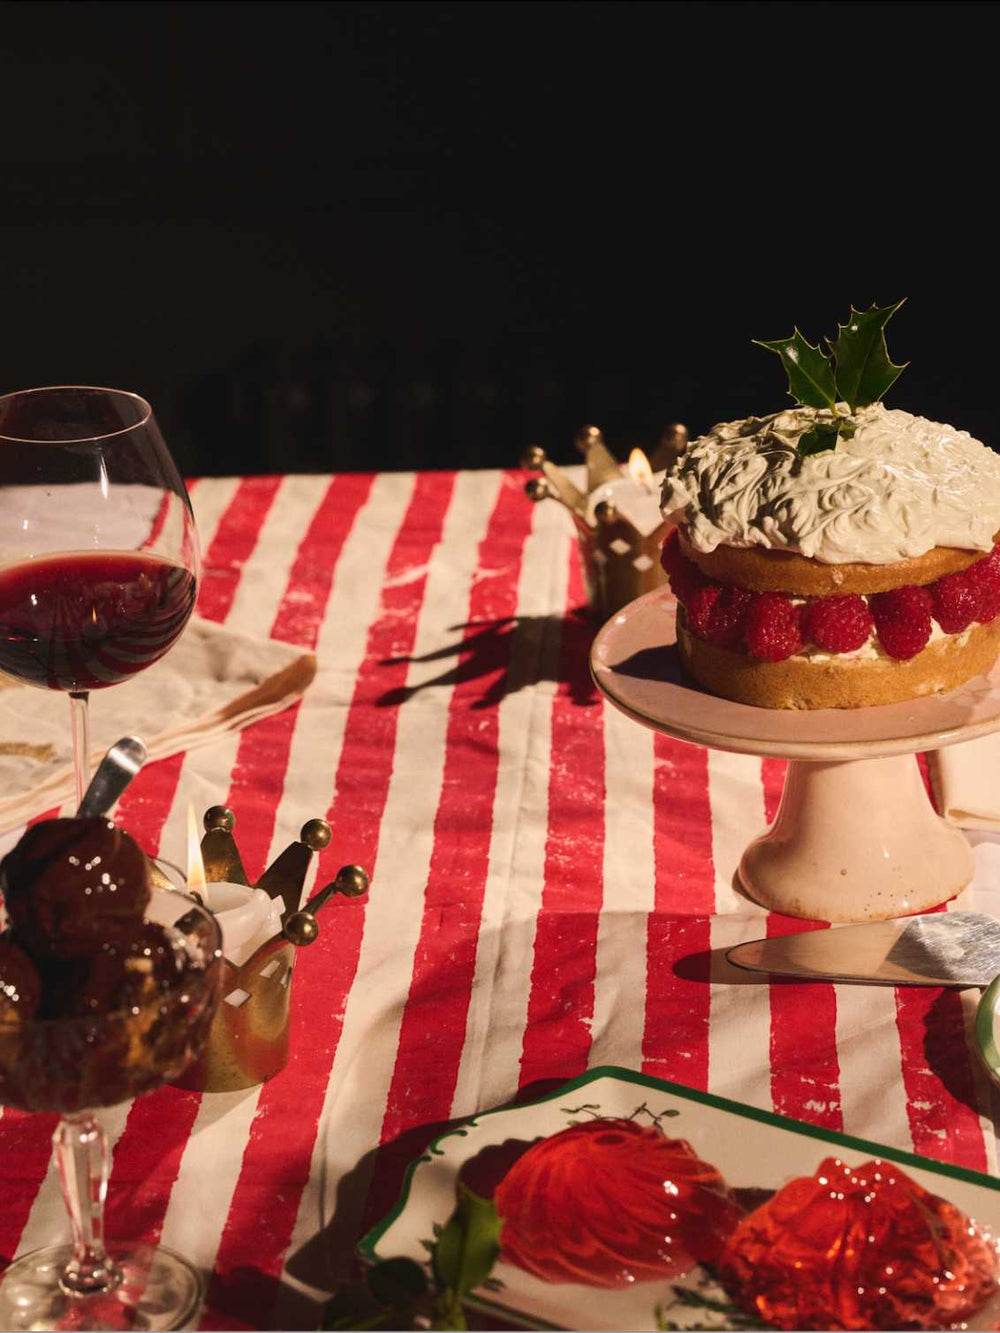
x=902, y=620
x=773, y=627
x=727, y=617
x=984, y=576
x=837, y=624
x=956, y=602
x=684, y=575
x=699, y=607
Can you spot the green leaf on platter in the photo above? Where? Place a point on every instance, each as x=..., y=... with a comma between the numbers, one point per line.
x=450, y=1315
x=354, y=1307
x=864, y=372
x=818, y=440
x=469, y=1244
x=810, y=373
x=397, y=1282
x=390, y=1296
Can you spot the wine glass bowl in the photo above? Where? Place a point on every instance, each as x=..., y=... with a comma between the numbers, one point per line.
x=99, y=559
x=73, y=1064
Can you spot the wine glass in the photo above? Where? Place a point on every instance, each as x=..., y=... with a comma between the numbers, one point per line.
x=71, y=1065
x=99, y=559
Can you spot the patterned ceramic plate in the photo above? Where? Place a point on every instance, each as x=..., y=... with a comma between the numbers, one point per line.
x=753, y=1149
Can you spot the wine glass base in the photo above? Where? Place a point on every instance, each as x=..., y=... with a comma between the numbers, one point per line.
x=159, y=1290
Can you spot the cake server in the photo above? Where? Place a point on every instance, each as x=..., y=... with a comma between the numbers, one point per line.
x=944, y=949
x=115, y=771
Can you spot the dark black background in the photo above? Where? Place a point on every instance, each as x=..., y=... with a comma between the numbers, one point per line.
x=328, y=236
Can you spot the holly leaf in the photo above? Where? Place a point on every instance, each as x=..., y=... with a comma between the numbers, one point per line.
x=810, y=372
x=819, y=439
x=466, y=1251
x=864, y=372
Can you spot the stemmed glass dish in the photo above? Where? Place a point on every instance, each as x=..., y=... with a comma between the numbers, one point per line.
x=99, y=560
x=71, y=1066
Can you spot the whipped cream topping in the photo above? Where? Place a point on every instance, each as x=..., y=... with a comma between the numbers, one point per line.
x=901, y=486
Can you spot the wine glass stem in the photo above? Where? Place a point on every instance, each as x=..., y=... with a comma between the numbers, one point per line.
x=80, y=714
x=81, y=1152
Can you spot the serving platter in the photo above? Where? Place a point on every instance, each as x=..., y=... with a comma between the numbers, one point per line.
x=754, y=1150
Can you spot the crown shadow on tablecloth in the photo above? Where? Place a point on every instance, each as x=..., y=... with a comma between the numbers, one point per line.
x=509, y=654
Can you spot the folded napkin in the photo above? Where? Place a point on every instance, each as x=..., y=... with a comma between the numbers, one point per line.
x=212, y=682
x=966, y=782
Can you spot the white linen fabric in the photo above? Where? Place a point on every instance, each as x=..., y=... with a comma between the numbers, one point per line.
x=214, y=681
x=966, y=780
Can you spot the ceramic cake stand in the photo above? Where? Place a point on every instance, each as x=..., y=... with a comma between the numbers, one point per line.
x=856, y=838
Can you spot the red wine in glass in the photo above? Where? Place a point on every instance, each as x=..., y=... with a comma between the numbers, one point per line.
x=98, y=550
x=86, y=620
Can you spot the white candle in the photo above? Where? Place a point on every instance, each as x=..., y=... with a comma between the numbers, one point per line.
x=636, y=497
x=247, y=917
x=637, y=501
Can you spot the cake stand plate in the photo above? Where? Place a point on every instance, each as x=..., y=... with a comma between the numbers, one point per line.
x=855, y=838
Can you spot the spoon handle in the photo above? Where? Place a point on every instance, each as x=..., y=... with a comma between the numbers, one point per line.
x=115, y=771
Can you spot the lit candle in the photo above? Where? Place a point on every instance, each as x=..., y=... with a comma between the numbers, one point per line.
x=636, y=497
x=247, y=917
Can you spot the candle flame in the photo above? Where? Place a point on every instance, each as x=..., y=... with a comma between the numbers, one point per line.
x=196, y=866
x=639, y=469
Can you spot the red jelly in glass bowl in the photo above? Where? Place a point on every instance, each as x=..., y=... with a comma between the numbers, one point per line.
x=859, y=1247
x=609, y=1203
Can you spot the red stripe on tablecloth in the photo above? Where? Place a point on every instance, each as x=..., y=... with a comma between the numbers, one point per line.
x=147, y=1158
x=142, y=1178
x=147, y=1155
x=48, y=814
x=233, y=544
x=805, y=1067
x=432, y=1031
x=561, y=1004
x=159, y=518
x=258, y=777
x=926, y=779
x=679, y=930
x=772, y=776
x=266, y=1199
x=937, y=1076
x=26, y=1149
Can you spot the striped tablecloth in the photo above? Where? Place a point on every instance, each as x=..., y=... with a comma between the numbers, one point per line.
x=548, y=879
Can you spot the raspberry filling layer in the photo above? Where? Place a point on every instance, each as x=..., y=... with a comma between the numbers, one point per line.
x=773, y=625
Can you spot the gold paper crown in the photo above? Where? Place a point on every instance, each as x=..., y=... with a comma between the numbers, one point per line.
x=620, y=562
x=248, y=1042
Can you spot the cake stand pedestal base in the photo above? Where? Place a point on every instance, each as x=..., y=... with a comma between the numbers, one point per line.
x=855, y=840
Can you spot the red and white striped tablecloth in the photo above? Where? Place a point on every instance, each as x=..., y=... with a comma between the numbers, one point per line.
x=548, y=880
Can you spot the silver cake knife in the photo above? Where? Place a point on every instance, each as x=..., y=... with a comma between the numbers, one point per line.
x=943, y=949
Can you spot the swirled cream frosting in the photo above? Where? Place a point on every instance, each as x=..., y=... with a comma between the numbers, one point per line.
x=899, y=487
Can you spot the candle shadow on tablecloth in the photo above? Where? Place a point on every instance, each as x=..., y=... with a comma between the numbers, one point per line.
x=510, y=654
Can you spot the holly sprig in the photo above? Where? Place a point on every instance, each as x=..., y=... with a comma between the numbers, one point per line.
x=854, y=369
x=401, y=1294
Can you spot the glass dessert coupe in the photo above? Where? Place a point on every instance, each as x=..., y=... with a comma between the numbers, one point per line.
x=72, y=1065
